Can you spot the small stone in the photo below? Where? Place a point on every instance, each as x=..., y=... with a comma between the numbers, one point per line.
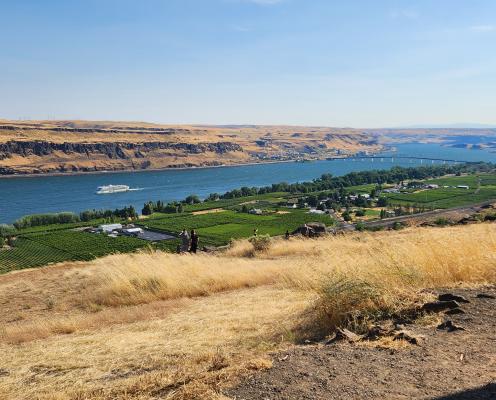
x=485, y=296
x=450, y=326
x=409, y=337
x=344, y=334
x=438, y=306
x=377, y=331
x=450, y=297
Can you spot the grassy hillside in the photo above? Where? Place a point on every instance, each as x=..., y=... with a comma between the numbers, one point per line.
x=150, y=325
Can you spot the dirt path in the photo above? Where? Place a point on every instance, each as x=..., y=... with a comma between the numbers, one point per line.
x=447, y=365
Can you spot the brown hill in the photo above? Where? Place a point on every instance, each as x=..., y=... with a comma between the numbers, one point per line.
x=33, y=147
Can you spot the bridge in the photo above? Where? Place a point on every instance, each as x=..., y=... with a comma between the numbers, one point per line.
x=383, y=158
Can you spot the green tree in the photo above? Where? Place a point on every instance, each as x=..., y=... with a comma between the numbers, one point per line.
x=192, y=199
x=6, y=231
x=312, y=201
x=382, y=202
x=147, y=209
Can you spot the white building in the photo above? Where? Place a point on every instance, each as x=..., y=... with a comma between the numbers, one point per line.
x=110, y=227
x=463, y=187
x=132, y=231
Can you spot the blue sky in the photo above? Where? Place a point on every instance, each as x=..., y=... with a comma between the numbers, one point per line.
x=359, y=63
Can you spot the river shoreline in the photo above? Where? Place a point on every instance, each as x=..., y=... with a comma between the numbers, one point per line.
x=76, y=191
x=105, y=172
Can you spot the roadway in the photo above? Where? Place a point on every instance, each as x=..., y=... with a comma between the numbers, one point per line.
x=470, y=209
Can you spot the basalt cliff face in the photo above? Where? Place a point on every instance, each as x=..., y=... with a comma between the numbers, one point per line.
x=84, y=157
x=111, y=150
x=41, y=147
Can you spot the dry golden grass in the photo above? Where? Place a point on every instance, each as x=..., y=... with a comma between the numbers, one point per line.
x=146, y=325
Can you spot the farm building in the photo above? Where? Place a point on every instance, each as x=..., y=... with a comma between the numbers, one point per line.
x=463, y=187
x=132, y=231
x=292, y=203
x=109, y=227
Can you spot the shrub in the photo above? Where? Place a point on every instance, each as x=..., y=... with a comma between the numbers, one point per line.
x=360, y=226
x=442, y=221
x=490, y=217
x=349, y=302
x=260, y=243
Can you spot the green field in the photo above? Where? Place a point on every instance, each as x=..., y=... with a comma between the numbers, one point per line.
x=272, y=198
x=217, y=229
x=34, y=250
x=448, y=197
x=55, y=243
x=43, y=245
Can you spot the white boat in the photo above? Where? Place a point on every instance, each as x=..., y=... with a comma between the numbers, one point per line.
x=112, y=189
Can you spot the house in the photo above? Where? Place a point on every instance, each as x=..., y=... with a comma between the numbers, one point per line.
x=255, y=211
x=463, y=187
x=292, y=203
x=390, y=213
x=315, y=211
x=108, y=228
x=432, y=186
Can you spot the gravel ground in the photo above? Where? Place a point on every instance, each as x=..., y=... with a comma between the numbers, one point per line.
x=446, y=365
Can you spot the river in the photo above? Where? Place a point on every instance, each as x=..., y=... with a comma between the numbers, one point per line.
x=29, y=195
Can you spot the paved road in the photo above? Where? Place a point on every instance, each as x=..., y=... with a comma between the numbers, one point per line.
x=473, y=208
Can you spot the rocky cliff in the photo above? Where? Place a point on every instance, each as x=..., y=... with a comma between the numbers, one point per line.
x=35, y=157
x=111, y=150
x=39, y=147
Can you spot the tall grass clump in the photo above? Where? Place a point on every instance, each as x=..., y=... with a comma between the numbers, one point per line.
x=144, y=277
x=354, y=278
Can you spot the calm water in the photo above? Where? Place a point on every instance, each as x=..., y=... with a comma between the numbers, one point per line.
x=21, y=196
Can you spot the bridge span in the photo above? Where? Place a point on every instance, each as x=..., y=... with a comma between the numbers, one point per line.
x=383, y=158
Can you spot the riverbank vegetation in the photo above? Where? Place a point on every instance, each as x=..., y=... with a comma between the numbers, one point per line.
x=144, y=325
x=354, y=198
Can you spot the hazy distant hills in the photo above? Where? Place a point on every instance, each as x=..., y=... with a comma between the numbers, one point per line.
x=449, y=126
